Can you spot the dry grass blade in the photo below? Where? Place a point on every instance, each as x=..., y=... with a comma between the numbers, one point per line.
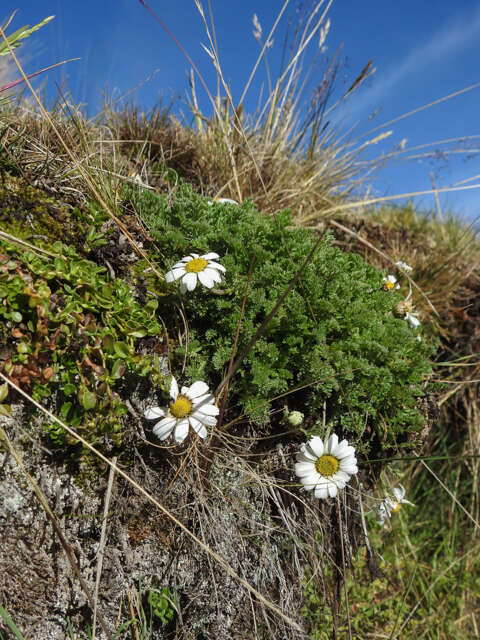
x=103, y=539
x=67, y=547
x=78, y=165
x=225, y=566
x=430, y=588
x=384, y=255
x=364, y=73
x=454, y=498
x=26, y=245
x=399, y=196
x=423, y=107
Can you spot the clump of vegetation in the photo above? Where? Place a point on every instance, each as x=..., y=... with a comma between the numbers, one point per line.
x=336, y=336
x=68, y=329
x=427, y=583
x=162, y=604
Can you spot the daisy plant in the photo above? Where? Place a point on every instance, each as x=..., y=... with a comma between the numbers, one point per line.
x=325, y=466
x=222, y=201
x=412, y=320
x=403, y=266
x=194, y=268
x=392, y=504
x=191, y=407
x=390, y=282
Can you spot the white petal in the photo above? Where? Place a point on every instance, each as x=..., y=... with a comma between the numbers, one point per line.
x=348, y=459
x=183, y=288
x=305, y=455
x=350, y=462
x=316, y=446
x=173, y=389
x=349, y=451
x=332, y=489
x=332, y=443
x=210, y=256
x=207, y=398
x=174, y=274
x=198, y=427
x=196, y=389
x=341, y=476
x=210, y=421
x=321, y=492
x=213, y=274
x=206, y=279
x=154, y=412
x=225, y=201
x=340, y=449
x=164, y=428
x=339, y=482
x=403, y=265
x=303, y=469
x=190, y=280
x=207, y=409
x=181, y=430
x=180, y=264
x=399, y=493
x=311, y=481
x=351, y=469
x=343, y=450
x=216, y=265
x=412, y=320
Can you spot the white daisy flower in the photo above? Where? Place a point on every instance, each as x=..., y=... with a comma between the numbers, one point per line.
x=192, y=407
x=412, y=320
x=390, y=282
x=325, y=466
x=392, y=504
x=222, y=201
x=193, y=268
x=403, y=266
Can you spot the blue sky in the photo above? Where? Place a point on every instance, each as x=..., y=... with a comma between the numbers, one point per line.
x=422, y=51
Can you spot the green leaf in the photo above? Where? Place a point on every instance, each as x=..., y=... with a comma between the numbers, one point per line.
x=69, y=389
x=21, y=34
x=87, y=399
x=139, y=333
x=120, y=409
x=64, y=409
x=118, y=369
x=5, y=410
x=3, y=391
x=10, y=624
x=16, y=316
x=122, y=349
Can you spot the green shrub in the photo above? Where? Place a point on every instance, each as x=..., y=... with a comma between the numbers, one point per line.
x=336, y=332
x=67, y=328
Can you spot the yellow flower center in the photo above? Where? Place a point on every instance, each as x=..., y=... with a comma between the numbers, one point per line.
x=326, y=465
x=397, y=507
x=388, y=285
x=181, y=407
x=196, y=265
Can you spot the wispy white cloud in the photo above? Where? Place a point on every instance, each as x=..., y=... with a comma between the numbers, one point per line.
x=451, y=38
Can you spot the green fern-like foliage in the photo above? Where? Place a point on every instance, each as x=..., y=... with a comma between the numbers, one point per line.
x=336, y=334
